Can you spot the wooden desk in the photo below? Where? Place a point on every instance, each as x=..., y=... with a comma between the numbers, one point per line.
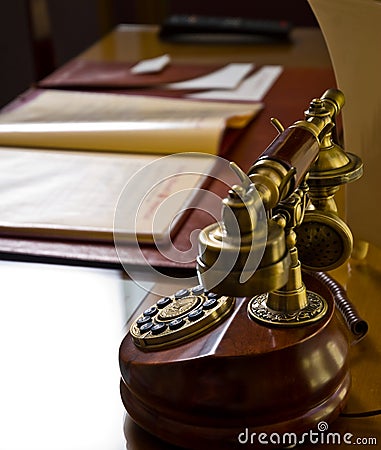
x=53, y=394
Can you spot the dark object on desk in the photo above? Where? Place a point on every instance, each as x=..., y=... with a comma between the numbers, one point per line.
x=205, y=29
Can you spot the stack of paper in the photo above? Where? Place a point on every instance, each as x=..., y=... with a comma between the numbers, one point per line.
x=67, y=156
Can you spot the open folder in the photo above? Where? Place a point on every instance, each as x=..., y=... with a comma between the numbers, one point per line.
x=66, y=157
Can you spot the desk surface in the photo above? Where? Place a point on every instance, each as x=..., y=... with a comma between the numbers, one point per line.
x=61, y=326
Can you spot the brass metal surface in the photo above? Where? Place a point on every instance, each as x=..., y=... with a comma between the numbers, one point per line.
x=292, y=296
x=315, y=309
x=325, y=241
x=271, y=272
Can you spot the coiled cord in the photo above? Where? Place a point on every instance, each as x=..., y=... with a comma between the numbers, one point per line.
x=357, y=326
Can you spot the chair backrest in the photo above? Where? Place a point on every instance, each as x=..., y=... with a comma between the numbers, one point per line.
x=59, y=30
x=41, y=37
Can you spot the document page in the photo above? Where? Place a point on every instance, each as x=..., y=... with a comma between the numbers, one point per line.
x=129, y=123
x=64, y=194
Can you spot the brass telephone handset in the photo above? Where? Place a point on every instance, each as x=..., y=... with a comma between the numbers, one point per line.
x=259, y=345
x=303, y=159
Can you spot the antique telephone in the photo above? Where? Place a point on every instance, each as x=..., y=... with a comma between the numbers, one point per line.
x=261, y=345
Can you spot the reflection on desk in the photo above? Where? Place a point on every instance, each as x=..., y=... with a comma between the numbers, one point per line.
x=60, y=329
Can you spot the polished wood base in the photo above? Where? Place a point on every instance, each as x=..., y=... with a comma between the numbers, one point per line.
x=242, y=375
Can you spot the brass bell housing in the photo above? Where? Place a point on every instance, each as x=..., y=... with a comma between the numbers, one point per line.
x=245, y=253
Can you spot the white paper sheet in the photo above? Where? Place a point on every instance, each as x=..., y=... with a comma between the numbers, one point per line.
x=152, y=65
x=65, y=194
x=253, y=88
x=226, y=78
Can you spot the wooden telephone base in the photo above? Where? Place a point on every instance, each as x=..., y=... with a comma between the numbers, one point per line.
x=240, y=375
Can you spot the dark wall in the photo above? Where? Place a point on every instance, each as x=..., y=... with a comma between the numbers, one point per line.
x=298, y=12
x=75, y=24
x=15, y=51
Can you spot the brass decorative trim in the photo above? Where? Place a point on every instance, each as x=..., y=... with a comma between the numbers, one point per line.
x=314, y=311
